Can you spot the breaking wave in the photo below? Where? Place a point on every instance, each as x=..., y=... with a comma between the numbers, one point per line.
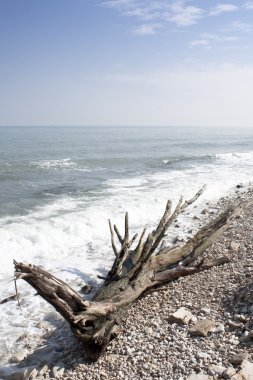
x=233, y=157
x=56, y=164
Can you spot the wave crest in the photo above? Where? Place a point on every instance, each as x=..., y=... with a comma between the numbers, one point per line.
x=56, y=164
x=235, y=156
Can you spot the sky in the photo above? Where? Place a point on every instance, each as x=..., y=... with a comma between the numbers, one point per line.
x=126, y=62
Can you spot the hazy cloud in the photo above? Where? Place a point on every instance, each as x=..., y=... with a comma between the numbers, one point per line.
x=249, y=5
x=241, y=26
x=139, y=8
x=219, y=38
x=176, y=96
x=207, y=40
x=184, y=15
x=223, y=8
x=147, y=29
x=177, y=12
x=200, y=42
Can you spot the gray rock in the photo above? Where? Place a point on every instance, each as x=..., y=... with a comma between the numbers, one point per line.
x=216, y=370
x=198, y=376
x=86, y=289
x=246, y=339
x=103, y=374
x=43, y=325
x=181, y=316
x=234, y=246
x=234, y=340
x=22, y=337
x=194, y=319
x=250, y=308
x=44, y=355
x=57, y=371
x=24, y=373
x=202, y=355
x=237, y=359
x=148, y=331
x=228, y=373
x=205, y=310
x=237, y=376
x=113, y=358
x=18, y=356
x=202, y=328
x=240, y=317
x=234, y=325
x=43, y=370
x=219, y=329
x=247, y=370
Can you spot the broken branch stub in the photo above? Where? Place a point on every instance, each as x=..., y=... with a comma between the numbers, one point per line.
x=134, y=272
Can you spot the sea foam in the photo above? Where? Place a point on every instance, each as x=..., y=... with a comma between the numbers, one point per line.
x=70, y=236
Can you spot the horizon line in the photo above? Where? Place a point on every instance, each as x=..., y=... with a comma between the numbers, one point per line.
x=121, y=125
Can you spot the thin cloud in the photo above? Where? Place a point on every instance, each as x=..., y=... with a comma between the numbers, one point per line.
x=248, y=5
x=207, y=40
x=223, y=8
x=147, y=29
x=200, y=42
x=143, y=14
x=230, y=39
x=176, y=12
x=119, y=3
x=219, y=38
x=184, y=15
x=138, y=8
x=241, y=26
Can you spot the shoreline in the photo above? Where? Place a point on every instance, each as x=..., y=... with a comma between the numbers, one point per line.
x=150, y=347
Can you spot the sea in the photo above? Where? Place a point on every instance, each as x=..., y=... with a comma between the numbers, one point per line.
x=60, y=185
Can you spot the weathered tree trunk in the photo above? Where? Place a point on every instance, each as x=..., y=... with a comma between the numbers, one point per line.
x=133, y=273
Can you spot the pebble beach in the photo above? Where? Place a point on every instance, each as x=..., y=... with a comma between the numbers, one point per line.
x=158, y=338
x=126, y=133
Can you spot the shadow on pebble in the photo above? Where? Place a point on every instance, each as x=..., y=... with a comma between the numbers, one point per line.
x=60, y=350
x=238, y=310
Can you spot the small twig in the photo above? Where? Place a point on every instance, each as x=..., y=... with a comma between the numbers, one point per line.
x=101, y=277
x=112, y=240
x=121, y=240
x=132, y=240
x=11, y=298
x=193, y=199
x=17, y=295
x=126, y=238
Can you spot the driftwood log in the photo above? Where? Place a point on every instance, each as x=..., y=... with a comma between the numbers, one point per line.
x=133, y=273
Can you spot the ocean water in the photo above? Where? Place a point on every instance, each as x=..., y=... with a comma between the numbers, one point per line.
x=59, y=186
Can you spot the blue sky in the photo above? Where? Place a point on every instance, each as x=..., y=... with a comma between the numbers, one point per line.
x=126, y=62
